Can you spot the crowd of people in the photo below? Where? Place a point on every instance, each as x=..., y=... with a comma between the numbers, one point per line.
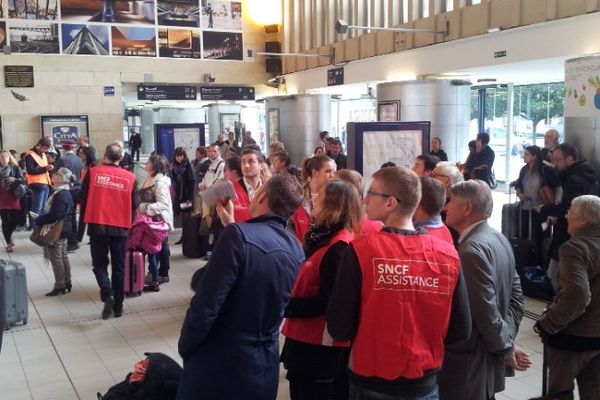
x=402, y=291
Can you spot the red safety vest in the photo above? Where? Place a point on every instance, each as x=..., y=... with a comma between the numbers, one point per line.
x=109, y=197
x=241, y=204
x=369, y=227
x=313, y=330
x=441, y=232
x=407, y=286
x=301, y=221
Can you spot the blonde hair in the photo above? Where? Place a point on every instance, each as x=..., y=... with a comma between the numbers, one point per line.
x=11, y=159
x=404, y=185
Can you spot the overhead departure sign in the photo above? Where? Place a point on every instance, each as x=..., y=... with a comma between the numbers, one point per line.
x=157, y=92
x=227, y=93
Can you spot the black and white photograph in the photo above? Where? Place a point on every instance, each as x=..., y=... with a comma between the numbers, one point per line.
x=85, y=39
x=31, y=9
x=124, y=12
x=34, y=37
x=179, y=43
x=222, y=45
x=222, y=15
x=178, y=13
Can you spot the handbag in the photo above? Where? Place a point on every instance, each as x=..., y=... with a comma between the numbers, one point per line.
x=47, y=235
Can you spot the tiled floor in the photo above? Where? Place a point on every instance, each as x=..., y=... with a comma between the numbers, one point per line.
x=67, y=352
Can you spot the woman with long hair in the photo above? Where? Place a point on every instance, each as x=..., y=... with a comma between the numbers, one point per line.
x=316, y=364
x=9, y=204
x=537, y=184
x=316, y=171
x=58, y=208
x=183, y=181
x=155, y=201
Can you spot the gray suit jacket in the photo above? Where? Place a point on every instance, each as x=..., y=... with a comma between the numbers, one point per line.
x=474, y=369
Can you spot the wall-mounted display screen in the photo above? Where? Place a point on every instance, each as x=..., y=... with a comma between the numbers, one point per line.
x=64, y=128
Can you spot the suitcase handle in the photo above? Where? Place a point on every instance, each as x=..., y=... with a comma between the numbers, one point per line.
x=520, y=202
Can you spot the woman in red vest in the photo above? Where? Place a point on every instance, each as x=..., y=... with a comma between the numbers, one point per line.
x=316, y=364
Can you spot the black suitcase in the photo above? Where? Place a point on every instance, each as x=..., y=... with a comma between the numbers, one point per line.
x=534, y=281
x=193, y=244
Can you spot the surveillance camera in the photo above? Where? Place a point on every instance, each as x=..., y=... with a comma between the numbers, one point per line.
x=251, y=53
x=341, y=26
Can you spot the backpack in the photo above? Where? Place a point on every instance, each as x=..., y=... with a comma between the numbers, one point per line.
x=159, y=382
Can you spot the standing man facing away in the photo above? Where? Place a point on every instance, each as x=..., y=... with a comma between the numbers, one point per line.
x=475, y=369
x=229, y=339
x=398, y=294
x=135, y=144
x=73, y=163
x=570, y=326
x=108, y=204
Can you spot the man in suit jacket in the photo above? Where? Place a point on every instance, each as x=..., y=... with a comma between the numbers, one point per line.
x=476, y=369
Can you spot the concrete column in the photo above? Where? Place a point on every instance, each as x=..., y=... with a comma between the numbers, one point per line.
x=585, y=134
x=213, y=116
x=301, y=118
x=446, y=105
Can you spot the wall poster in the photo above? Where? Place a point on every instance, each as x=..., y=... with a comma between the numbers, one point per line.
x=388, y=111
x=370, y=144
x=222, y=45
x=30, y=9
x=222, y=15
x=170, y=136
x=34, y=37
x=582, y=87
x=2, y=34
x=3, y=8
x=179, y=43
x=85, y=39
x=125, y=12
x=178, y=13
x=128, y=41
x=273, y=125
x=64, y=127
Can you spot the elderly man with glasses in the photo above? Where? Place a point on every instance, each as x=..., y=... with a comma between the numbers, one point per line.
x=577, y=177
x=570, y=326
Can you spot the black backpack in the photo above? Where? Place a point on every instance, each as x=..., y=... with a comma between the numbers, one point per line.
x=160, y=383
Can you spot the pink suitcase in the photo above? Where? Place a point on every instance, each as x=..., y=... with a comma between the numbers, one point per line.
x=134, y=273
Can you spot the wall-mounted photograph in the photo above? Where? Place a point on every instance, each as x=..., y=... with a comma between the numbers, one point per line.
x=178, y=13
x=222, y=45
x=85, y=39
x=31, y=9
x=223, y=15
x=179, y=43
x=128, y=41
x=34, y=37
x=125, y=12
x=2, y=34
x=3, y=8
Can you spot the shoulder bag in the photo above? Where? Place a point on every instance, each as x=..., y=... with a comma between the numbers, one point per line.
x=47, y=235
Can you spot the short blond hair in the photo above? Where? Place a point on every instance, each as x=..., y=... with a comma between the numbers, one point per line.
x=404, y=185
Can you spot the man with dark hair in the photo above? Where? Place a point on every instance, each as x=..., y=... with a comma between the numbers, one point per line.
x=424, y=165
x=233, y=321
x=479, y=165
x=135, y=144
x=73, y=163
x=436, y=149
x=428, y=213
x=280, y=161
x=108, y=202
x=398, y=297
x=335, y=152
x=577, y=178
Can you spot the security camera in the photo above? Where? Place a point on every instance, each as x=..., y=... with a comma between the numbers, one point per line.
x=341, y=26
x=209, y=78
x=251, y=53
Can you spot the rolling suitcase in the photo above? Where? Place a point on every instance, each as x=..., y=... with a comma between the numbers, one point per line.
x=534, y=280
x=193, y=244
x=13, y=294
x=510, y=219
x=134, y=273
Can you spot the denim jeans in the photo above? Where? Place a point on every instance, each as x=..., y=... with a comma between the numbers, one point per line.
x=161, y=257
x=39, y=196
x=360, y=393
x=100, y=246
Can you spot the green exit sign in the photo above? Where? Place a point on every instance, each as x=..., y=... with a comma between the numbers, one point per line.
x=501, y=53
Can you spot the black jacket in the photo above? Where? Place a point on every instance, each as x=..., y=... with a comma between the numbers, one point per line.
x=62, y=203
x=578, y=179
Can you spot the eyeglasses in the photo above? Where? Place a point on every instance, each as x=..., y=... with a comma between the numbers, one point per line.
x=370, y=193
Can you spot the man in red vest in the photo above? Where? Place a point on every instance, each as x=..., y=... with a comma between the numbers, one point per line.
x=398, y=296
x=108, y=204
